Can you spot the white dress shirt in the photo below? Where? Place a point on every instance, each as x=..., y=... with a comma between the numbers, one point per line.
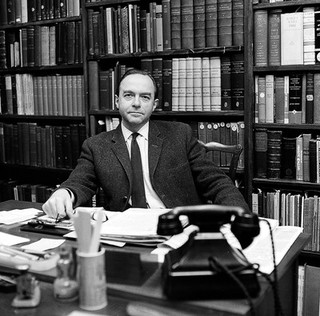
x=153, y=199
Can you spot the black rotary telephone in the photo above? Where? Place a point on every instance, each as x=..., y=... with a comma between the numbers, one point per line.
x=207, y=266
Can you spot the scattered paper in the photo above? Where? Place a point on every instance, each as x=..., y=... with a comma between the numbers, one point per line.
x=18, y=215
x=44, y=244
x=10, y=240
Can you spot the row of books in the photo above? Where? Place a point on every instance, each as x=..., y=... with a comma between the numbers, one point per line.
x=293, y=209
x=23, y=11
x=184, y=84
x=37, y=45
x=286, y=38
x=287, y=99
x=173, y=24
x=278, y=156
x=46, y=146
x=13, y=190
x=229, y=133
x=26, y=94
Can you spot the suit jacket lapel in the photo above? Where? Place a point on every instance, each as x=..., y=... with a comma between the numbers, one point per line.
x=119, y=148
x=155, y=147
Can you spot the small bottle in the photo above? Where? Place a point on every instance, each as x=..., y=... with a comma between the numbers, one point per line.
x=65, y=287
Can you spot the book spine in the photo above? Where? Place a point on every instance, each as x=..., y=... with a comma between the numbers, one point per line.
x=269, y=99
x=305, y=157
x=182, y=84
x=299, y=158
x=310, y=98
x=199, y=24
x=215, y=83
x=166, y=24
x=225, y=83
x=93, y=84
x=260, y=37
x=292, y=38
x=175, y=24
x=288, y=158
x=295, y=98
x=197, y=84
x=167, y=84
x=189, y=84
x=238, y=22
x=308, y=35
x=206, y=105
x=262, y=99
x=279, y=99
x=316, y=110
x=158, y=77
x=274, y=26
x=211, y=23
x=237, y=81
x=260, y=157
x=187, y=21
x=274, y=154
x=224, y=22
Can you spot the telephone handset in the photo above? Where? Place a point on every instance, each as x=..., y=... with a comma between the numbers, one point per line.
x=197, y=270
x=209, y=218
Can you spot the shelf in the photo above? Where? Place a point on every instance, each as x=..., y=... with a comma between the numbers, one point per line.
x=173, y=53
x=44, y=118
x=45, y=69
x=301, y=185
x=238, y=114
x=285, y=4
x=286, y=68
x=42, y=22
x=312, y=127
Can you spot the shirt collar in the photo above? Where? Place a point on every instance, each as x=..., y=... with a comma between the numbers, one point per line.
x=144, y=131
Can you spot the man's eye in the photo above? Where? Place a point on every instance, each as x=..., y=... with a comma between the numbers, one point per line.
x=128, y=95
x=145, y=98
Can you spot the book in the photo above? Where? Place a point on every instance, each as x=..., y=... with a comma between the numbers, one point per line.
x=288, y=158
x=274, y=154
x=311, y=290
x=260, y=152
x=269, y=99
x=299, y=158
x=274, y=37
x=166, y=24
x=159, y=25
x=309, y=111
x=175, y=84
x=261, y=99
x=93, y=84
x=175, y=10
x=211, y=23
x=189, y=85
x=3, y=13
x=206, y=99
x=197, y=84
x=308, y=35
x=317, y=36
x=279, y=99
x=238, y=22
x=215, y=83
x=237, y=82
x=224, y=22
x=158, y=77
x=199, y=24
x=295, y=98
x=292, y=38
x=167, y=84
x=260, y=50
x=316, y=95
x=187, y=24
x=182, y=79
x=225, y=82
x=306, y=137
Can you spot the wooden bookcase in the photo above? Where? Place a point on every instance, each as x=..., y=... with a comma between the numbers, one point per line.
x=273, y=180
x=41, y=62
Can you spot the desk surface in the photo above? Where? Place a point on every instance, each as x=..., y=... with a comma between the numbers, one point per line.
x=132, y=278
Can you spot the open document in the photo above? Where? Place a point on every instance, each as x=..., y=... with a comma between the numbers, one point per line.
x=260, y=251
x=134, y=226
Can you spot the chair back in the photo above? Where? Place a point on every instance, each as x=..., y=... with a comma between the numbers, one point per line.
x=234, y=150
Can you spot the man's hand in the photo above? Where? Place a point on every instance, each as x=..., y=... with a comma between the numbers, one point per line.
x=59, y=204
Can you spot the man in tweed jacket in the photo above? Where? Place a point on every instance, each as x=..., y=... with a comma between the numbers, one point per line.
x=176, y=171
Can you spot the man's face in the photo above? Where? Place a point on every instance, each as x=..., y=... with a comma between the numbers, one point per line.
x=136, y=101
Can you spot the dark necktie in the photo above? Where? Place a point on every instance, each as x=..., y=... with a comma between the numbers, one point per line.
x=138, y=194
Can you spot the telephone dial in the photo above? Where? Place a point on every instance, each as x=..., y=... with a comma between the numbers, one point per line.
x=207, y=266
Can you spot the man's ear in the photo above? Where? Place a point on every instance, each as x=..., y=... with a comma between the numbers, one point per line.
x=116, y=101
x=155, y=104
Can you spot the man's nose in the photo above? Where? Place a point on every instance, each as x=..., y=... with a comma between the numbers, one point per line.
x=136, y=101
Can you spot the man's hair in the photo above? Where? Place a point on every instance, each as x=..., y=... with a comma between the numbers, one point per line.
x=134, y=71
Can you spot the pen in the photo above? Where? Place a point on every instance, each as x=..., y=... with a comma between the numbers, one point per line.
x=20, y=253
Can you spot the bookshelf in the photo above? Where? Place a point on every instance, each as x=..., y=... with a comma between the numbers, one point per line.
x=167, y=54
x=285, y=171
x=42, y=114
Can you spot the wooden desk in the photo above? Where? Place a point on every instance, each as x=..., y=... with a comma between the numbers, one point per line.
x=140, y=280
